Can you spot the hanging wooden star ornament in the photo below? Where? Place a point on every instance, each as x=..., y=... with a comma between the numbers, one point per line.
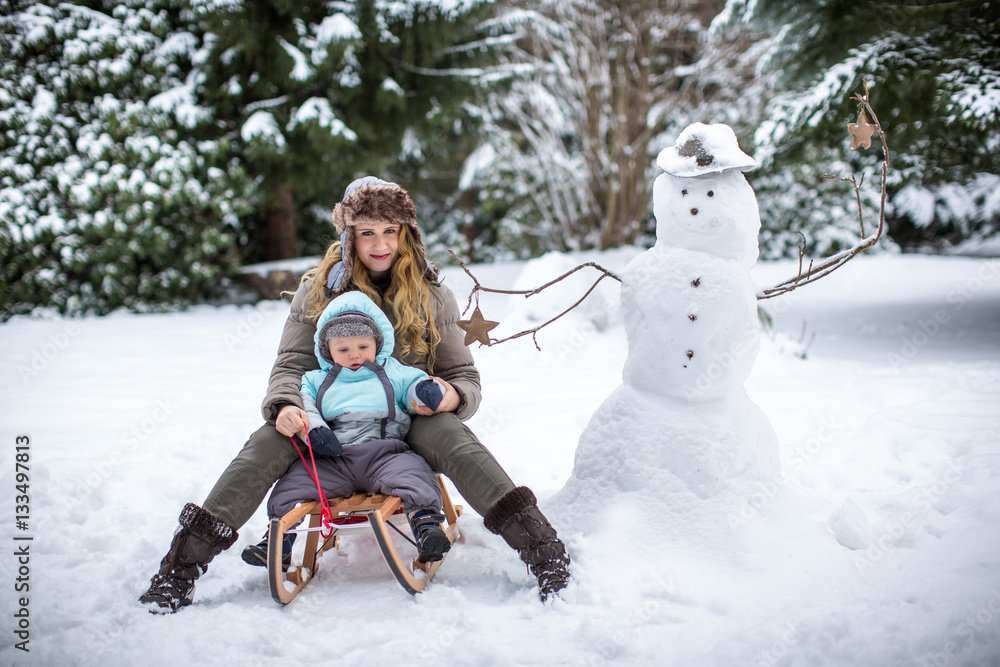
x=861, y=132
x=477, y=328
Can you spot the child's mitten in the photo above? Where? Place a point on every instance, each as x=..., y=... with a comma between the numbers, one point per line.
x=324, y=442
x=430, y=392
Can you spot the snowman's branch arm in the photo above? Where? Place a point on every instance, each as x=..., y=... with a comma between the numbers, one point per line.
x=821, y=270
x=531, y=292
x=831, y=264
x=856, y=184
x=802, y=253
x=605, y=272
x=478, y=287
x=885, y=163
x=475, y=280
x=535, y=330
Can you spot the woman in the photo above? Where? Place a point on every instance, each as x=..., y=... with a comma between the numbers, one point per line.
x=380, y=253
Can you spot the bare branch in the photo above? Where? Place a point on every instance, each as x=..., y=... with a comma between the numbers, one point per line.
x=834, y=262
x=605, y=273
x=535, y=330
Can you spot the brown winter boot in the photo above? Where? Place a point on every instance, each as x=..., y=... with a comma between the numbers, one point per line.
x=200, y=538
x=517, y=519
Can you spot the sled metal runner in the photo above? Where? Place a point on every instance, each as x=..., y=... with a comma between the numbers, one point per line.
x=351, y=514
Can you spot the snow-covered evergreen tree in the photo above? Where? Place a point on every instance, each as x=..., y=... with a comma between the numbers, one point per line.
x=934, y=72
x=146, y=149
x=318, y=92
x=106, y=198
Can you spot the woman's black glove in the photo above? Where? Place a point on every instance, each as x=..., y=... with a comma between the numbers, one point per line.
x=324, y=442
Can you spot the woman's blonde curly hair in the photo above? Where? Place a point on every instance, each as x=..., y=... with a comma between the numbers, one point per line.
x=408, y=295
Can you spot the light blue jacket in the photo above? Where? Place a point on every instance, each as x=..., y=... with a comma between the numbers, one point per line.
x=355, y=403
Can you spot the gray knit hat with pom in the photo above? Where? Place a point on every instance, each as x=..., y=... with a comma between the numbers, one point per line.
x=346, y=325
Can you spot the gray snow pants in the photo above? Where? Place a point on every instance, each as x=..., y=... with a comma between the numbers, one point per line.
x=442, y=440
x=377, y=466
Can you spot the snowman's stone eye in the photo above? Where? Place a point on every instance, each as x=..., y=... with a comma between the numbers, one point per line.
x=694, y=211
x=711, y=194
x=683, y=192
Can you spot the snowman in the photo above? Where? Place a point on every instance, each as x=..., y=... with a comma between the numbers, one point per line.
x=682, y=422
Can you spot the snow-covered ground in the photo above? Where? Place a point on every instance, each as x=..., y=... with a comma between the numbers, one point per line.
x=879, y=544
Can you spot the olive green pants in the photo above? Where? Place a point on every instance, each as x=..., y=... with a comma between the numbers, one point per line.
x=443, y=440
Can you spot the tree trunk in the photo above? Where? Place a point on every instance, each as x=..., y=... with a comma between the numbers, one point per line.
x=629, y=98
x=280, y=214
x=611, y=67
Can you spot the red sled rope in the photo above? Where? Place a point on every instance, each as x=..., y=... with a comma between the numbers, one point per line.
x=328, y=526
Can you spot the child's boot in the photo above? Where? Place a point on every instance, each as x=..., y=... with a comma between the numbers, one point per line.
x=256, y=554
x=431, y=540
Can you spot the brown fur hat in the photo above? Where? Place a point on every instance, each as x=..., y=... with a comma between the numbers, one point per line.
x=372, y=200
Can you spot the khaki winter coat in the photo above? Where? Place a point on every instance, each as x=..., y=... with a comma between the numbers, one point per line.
x=296, y=354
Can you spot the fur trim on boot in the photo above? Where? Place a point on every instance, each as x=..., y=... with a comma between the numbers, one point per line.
x=517, y=519
x=203, y=523
x=513, y=502
x=200, y=538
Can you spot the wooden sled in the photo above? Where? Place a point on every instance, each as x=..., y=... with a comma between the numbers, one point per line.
x=351, y=514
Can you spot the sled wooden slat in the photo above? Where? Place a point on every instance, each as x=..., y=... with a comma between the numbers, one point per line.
x=379, y=509
x=451, y=511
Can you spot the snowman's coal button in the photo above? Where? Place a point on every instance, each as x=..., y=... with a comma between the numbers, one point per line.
x=696, y=282
x=711, y=193
x=692, y=317
x=689, y=354
x=694, y=211
x=683, y=192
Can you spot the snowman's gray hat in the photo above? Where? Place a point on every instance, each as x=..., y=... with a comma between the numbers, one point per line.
x=704, y=149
